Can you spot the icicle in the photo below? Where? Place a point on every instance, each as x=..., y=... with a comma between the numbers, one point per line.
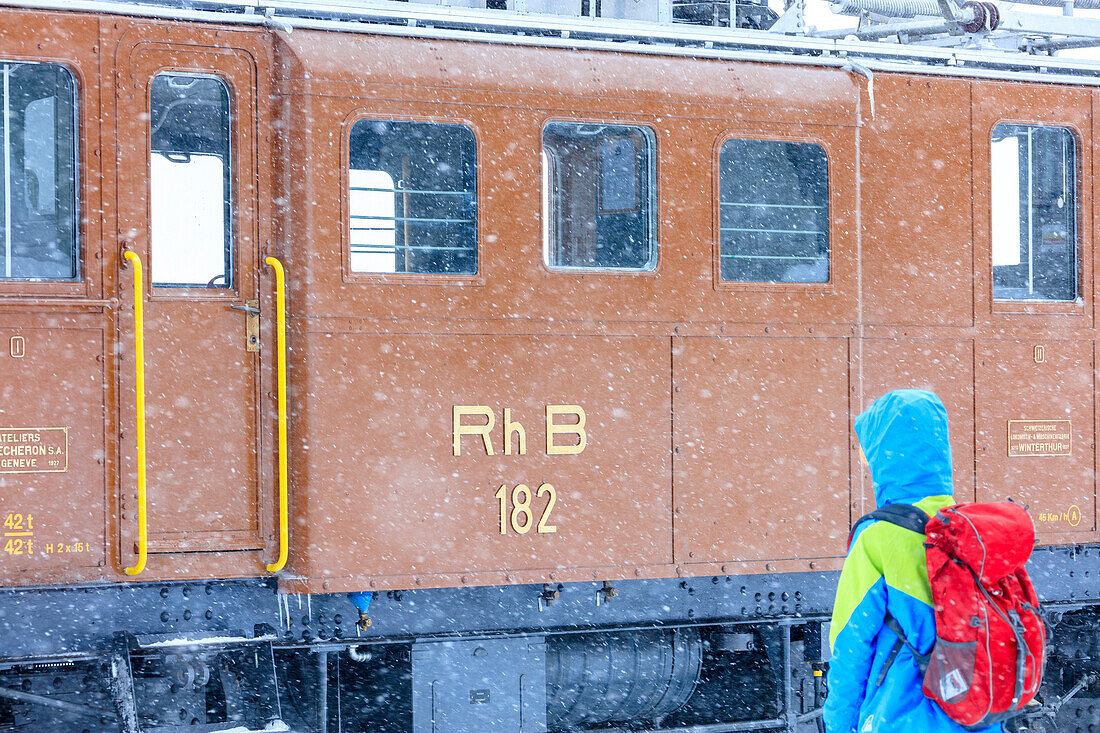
x=854, y=67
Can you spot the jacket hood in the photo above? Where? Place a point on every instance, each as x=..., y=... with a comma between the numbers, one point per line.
x=904, y=436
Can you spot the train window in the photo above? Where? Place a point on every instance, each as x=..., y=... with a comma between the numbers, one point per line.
x=412, y=198
x=1034, y=213
x=599, y=185
x=774, y=211
x=39, y=210
x=191, y=240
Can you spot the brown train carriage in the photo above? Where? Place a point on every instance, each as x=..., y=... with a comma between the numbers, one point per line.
x=537, y=346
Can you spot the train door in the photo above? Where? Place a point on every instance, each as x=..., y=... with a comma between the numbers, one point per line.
x=186, y=206
x=1035, y=368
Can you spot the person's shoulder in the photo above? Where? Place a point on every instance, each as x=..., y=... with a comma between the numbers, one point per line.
x=932, y=504
x=883, y=533
x=879, y=539
x=875, y=532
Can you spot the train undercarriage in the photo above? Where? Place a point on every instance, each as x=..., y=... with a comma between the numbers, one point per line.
x=706, y=655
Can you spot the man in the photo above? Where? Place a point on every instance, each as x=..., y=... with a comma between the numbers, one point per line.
x=903, y=438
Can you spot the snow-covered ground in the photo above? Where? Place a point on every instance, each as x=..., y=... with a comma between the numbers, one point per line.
x=271, y=728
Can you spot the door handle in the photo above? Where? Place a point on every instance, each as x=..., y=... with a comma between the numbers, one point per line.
x=251, y=310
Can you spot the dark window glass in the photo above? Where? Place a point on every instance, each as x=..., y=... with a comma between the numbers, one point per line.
x=39, y=210
x=1034, y=213
x=190, y=178
x=774, y=215
x=413, y=198
x=599, y=187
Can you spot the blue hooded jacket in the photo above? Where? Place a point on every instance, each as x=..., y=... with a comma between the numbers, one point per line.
x=904, y=437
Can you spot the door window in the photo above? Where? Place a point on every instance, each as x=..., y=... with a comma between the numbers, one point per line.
x=1034, y=198
x=190, y=176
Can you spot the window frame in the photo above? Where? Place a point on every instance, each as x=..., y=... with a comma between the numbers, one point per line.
x=774, y=135
x=241, y=283
x=174, y=291
x=82, y=287
x=547, y=225
x=1080, y=305
x=477, y=278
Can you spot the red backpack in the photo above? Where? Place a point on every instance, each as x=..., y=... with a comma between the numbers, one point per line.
x=990, y=649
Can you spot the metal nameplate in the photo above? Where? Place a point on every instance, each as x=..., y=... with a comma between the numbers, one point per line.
x=1039, y=438
x=34, y=450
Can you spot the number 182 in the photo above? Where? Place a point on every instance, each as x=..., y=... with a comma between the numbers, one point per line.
x=522, y=517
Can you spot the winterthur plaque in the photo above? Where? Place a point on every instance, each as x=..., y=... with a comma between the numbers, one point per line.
x=1039, y=438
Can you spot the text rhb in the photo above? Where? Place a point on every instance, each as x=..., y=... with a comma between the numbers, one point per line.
x=562, y=438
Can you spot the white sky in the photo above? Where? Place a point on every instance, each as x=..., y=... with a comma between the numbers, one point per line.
x=819, y=15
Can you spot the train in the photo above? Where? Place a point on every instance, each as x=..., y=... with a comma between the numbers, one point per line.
x=408, y=367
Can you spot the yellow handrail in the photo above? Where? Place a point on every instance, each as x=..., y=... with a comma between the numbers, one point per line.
x=280, y=306
x=139, y=398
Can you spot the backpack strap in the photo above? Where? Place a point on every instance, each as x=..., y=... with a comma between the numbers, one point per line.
x=922, y=659
x=903, y=515
x=913, y=519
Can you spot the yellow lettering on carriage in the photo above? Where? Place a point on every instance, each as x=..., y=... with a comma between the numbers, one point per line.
x=512, y=427
x=459, y=428
x=576, y=429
